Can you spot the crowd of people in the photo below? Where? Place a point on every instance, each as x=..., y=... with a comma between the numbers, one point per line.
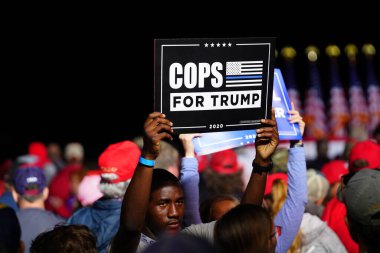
x=148, y=196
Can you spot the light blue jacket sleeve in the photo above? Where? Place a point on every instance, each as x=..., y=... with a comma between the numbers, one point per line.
x=189, y=179
x=290, y=215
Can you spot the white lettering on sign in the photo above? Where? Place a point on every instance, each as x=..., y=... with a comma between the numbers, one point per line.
x=279, y=112
x=202, y=101
x=192, y=75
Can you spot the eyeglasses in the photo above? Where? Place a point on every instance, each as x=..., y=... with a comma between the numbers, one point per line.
x=276, y=233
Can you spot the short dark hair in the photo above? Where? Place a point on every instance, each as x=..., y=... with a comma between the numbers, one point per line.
x=245, y=228
x=65, y=238
x=162, y=178
x=207, y=206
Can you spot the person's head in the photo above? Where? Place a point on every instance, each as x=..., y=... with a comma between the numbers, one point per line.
x=322, y=147
x=65, y=238
x=39, y=150
x=166, y=203
x=360, y=192
x=181, y=243
x=280, y=160
x=317, y=187
x=29, y=185
x=168, y=158
x=54, y=151
x=279, y=193
x=10, y=232
x=333, y=171
x=215, y=207
x=245, y=228
x=364, y=154
x=224, y=175
x=117, y=164
x=268, y=196
x=74, y=152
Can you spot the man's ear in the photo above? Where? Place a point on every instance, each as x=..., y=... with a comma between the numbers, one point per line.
x=15, y=195
x=45, y=193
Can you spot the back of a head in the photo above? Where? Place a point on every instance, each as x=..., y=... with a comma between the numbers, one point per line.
x=162, y=178
x=361, y=196
x=245, y=228
x=181, y=243
x=280, y=160
x=279, y=193
x=364, y=154
x=207, y=207
x=224, y=162
x=224, y=174
x=168, y=157
x=64, y=239
x=74, y=151
x=317, y=186
x=10, y=230
x=29, y=183
x=117, y=164
x=334, y=170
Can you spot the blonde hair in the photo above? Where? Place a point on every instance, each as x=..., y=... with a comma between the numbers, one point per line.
x=279, y=193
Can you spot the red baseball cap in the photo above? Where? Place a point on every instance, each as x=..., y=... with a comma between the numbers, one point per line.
x=120, y=159
x=271, y=178
x=365, y=150
x=333, y=170
x=202, y=162
x=224, y=162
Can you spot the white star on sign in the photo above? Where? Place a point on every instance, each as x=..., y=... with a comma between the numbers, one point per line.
x=212, y=44
x=206, y=45
x=229, y=44
x=224, y=44
x=218, y=45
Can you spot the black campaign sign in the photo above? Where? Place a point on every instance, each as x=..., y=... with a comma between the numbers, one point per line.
x=211, y=85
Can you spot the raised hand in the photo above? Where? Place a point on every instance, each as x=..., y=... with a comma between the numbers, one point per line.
x=156, y=128
x=295, y=117
x=267, y=139
x=187, y=143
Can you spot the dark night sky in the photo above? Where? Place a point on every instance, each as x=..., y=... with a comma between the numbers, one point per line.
x=72, y=78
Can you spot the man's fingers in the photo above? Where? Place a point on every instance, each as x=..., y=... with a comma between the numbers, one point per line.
x=163, y=135
x=273, y=114
x=152, y=117
x=293, y=106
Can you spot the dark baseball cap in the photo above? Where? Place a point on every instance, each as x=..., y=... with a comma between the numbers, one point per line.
x=361, y=196
x=29, y=180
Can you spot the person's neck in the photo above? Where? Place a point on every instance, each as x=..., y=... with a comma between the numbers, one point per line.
x=35, y=204
x=146, y=231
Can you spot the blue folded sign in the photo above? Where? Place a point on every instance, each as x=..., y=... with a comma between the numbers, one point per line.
x=213, y=142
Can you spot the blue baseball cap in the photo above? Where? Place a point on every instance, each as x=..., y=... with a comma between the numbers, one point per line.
x=29, y=181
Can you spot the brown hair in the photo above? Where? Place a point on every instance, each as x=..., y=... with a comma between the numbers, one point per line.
x=207, y=207
x=245, y=228
x=65, y=238
x=224, y=183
